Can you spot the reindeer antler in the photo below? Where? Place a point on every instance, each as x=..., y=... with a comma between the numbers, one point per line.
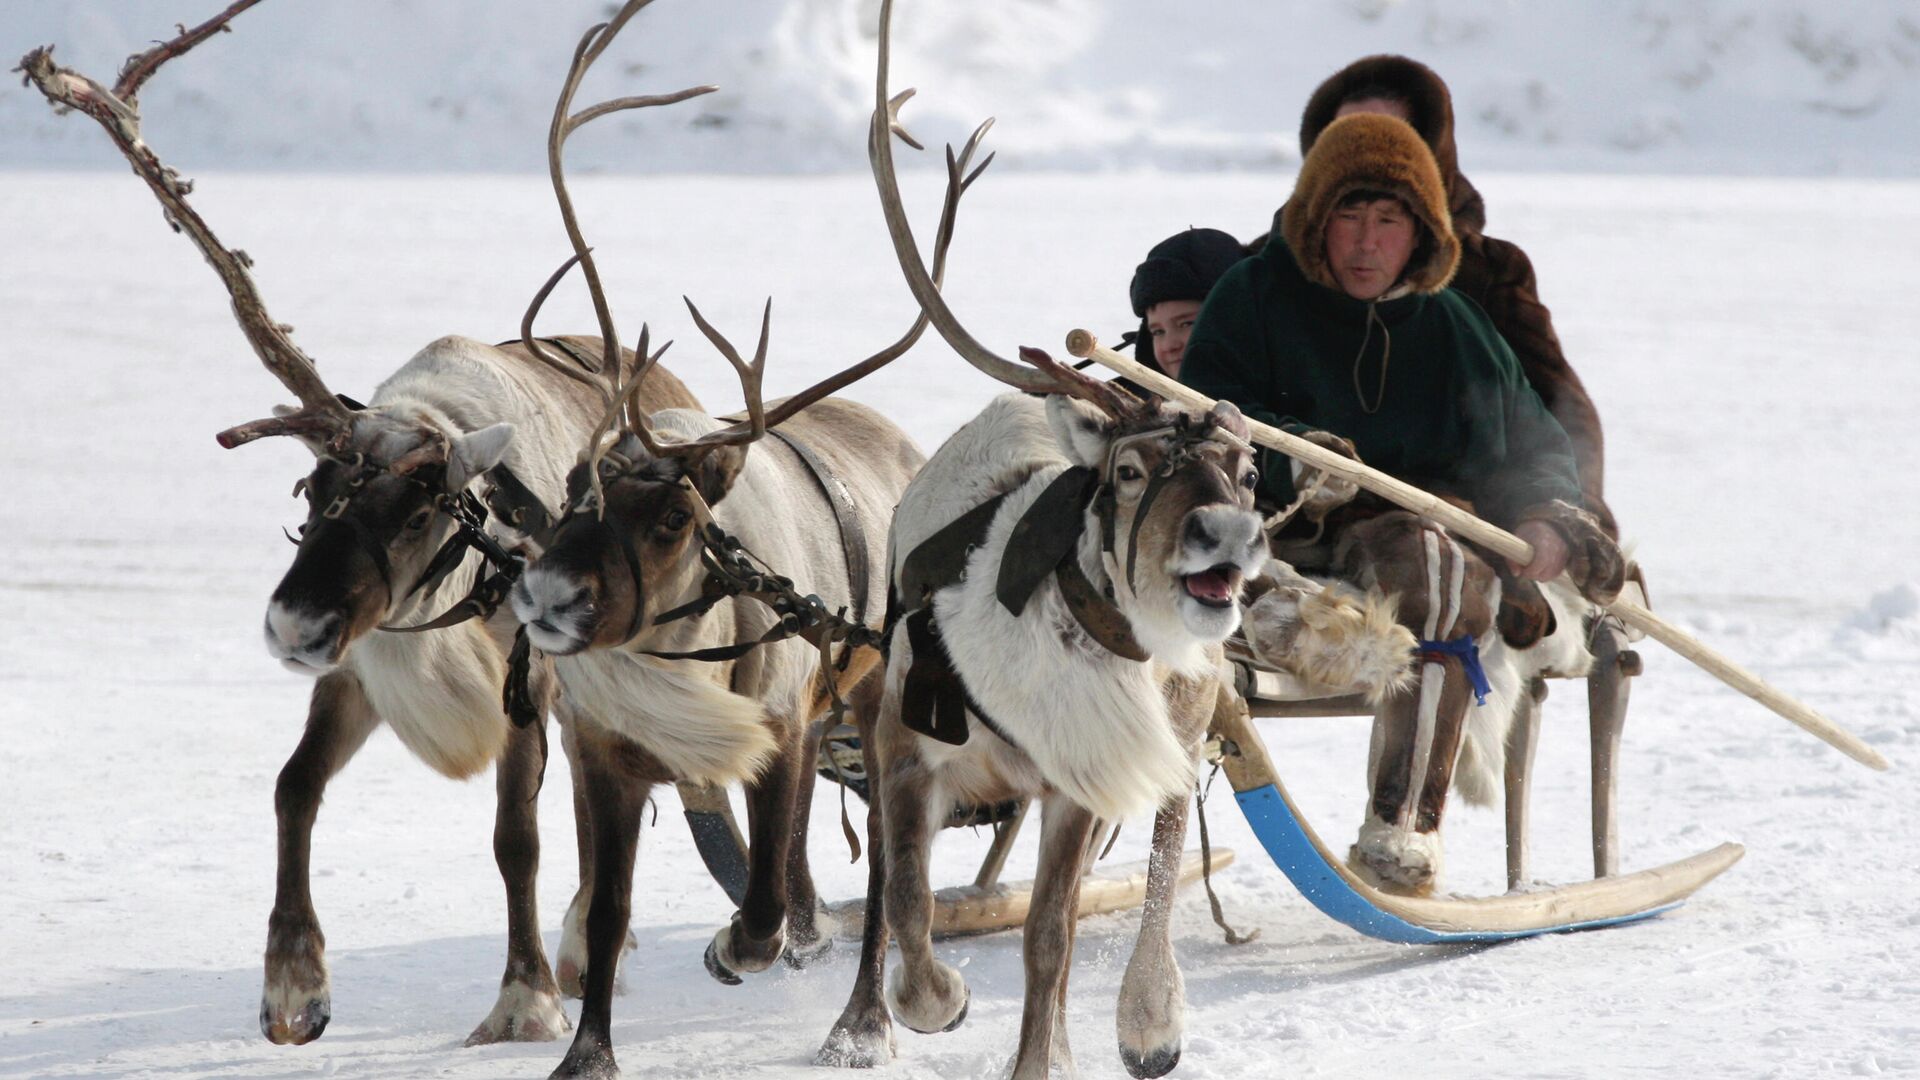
x=1046, y=376
x=118, y=112
x=622, y=397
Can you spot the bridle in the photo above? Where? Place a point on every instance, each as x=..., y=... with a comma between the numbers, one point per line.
x=506, y=495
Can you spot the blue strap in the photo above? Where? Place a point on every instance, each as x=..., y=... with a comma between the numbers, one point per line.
x=1465, y=650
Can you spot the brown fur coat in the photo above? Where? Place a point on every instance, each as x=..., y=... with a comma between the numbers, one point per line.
x=1495, y=273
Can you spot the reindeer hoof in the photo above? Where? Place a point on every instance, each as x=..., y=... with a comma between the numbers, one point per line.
x=592, y=1063
x=850, y=1048
x=721, y=972
x=1396, y=866
x=929, y=1005
x=522, y=1014
x=1154, y=1063
x=801, y=954
x=284, y=1025
x=965, y=1004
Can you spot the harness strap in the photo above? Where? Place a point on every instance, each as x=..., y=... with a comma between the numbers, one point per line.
x=580, y=356
x=853, y=538
x=516, y=505
x=1104, y=622
x=1465, y=650
x=935, y=701
x=1044, y=537
x=941, y=559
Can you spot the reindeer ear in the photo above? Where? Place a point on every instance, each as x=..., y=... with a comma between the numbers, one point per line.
x=1082, y=430
x=713, y=475
x=475, y=453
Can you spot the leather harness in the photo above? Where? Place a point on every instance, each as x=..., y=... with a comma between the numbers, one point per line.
x=1044, y=542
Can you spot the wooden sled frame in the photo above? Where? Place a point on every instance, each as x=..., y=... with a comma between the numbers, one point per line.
x=984, y=906
x=1324, y=879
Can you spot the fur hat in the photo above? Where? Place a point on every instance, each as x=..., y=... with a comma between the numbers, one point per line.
x=1184, y=266
x=1367, y=151
x=1425, y=95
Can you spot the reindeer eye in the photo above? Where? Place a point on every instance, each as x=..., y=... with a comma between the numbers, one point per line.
x=677, y=520
x=419, y=520
x=1251, y=480
x=1126, y=472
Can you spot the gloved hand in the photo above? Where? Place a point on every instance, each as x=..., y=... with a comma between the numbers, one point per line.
x=1327, y=491
x=1594, y=561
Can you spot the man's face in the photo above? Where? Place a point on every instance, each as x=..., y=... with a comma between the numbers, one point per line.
x=1368, y=245
x=1383, y=106
x=1169, y=323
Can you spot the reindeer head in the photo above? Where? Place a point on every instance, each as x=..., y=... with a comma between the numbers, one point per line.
x=373, y=528
x=621, y=557
x=1175, y=510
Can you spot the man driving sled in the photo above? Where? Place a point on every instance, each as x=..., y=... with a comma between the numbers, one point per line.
x=1342, y=330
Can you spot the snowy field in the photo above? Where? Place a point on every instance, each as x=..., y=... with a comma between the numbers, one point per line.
x=1750, y=344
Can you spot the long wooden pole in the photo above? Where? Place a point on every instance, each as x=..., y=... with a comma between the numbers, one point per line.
x=1083, y=344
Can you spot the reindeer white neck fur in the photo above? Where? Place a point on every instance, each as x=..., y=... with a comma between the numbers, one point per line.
x=1096, y=725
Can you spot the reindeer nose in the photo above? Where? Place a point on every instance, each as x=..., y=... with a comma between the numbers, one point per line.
x=306, y=636
x=1199, y=535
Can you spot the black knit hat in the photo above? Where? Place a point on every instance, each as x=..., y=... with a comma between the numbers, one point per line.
x=1184, y=266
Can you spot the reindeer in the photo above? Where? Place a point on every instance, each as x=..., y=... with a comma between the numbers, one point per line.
x=394, y=534
x=1063, y=573
x=690, y=604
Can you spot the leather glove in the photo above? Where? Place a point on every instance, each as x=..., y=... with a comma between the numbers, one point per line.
x=1594, y=561
x=1328, y=492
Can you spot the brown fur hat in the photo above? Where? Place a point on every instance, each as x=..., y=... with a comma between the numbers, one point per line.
x=1367, y=151
x=1425, y=94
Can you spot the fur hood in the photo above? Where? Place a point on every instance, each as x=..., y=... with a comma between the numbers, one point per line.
x=1362, y=151
x=1430, y=102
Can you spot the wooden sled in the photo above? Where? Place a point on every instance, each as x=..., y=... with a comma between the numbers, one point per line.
x=1324, y=879
x=982, y=907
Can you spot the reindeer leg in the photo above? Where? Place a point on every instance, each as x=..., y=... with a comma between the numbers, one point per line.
x=615, y=801
x=571, y=960
x=296, y=1002
x=924, y=994
x=807, y=941
x=1047, y=944
x=528, y=1009
x=756, y=935
x=1153, y=996
x=863, y=1036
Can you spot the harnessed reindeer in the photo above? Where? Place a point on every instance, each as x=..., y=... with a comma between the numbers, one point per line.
x=1063, y=573
x=680, y=650
x=397, y=526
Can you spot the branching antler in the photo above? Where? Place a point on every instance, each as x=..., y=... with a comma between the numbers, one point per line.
x=615, y=394
x=1047, y=376
x=620, y=396
x=118, y=112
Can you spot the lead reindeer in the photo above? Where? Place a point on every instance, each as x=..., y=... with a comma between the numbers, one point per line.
x=1064, y=572
x=394, y=535
x=691, y=603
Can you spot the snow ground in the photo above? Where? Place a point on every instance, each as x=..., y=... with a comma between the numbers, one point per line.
x=1749, y=342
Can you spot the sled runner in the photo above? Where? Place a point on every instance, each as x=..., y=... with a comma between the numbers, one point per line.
x=1325, y=880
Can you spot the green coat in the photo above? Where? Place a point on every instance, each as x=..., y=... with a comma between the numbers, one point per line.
x=1456, y=416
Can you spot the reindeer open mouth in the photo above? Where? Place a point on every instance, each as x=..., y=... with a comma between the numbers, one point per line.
x=1215, y=586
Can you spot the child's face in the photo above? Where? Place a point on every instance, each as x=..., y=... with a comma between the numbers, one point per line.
x=1169, y=323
